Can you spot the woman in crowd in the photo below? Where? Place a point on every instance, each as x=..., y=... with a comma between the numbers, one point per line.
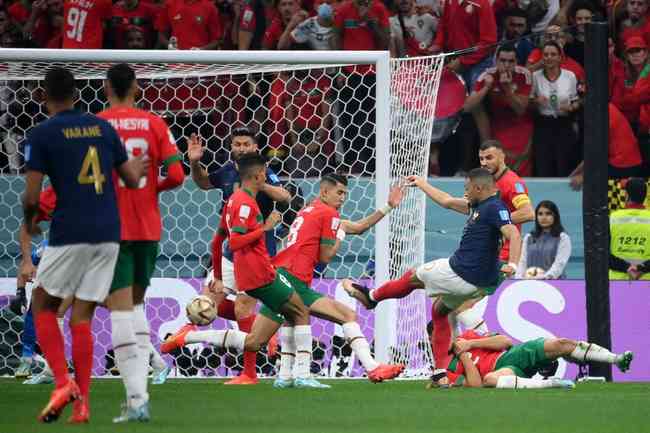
x=555, y=92
x=547, y=247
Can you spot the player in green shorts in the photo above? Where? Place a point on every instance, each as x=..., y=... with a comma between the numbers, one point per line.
x=141, y=227
x=494, y=361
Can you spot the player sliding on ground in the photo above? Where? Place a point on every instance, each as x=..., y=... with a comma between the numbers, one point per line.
x=255, y=275
x=493, y=361
x=472, y=271
x=146, y=134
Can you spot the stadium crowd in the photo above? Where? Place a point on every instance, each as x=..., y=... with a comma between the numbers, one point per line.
x=527, y=93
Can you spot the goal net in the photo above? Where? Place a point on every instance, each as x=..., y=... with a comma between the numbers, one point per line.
x=314, y=113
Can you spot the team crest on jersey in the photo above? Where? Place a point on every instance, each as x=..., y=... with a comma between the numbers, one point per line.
x=248, y=16
x=519, y=188
x=244, y=211
x=505, y=215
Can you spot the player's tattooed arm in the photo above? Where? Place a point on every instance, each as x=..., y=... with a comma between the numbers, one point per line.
x=360, y=226
x=440, y=197
x=33, y=183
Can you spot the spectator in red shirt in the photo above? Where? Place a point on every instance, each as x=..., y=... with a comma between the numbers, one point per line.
x=623, y=156
x=636, y=24
x=360, y=25
x=128, y=13
x=195, y=24
x=56, y=22
x=84, y=23
x=289, y=16
x=627, y=96
x=33, y=19
x=500, y=103
x=250, y=24
x=616, y=78
x=465, y=24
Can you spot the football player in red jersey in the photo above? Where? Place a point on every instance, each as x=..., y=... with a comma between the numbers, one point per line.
x=142, y=133
x=494, y=361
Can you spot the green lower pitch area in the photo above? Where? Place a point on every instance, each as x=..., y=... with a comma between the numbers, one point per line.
x=349, y=407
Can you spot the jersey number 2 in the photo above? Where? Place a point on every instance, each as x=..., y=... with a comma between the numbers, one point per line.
x=91, y=171
x=76, y=19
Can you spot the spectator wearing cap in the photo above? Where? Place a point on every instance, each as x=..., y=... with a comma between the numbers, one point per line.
x=616, y=80
x=581, y=14
x=623, y=156
x=289, y=16
x=127, y=13
x=636, y=24
x=465, y=24
x=630, y=95
x=499, y=103
x=515, y=28
x=315, y=31
x=412, y=33
x=629, y=228
x=555, y=96
x=195, y=24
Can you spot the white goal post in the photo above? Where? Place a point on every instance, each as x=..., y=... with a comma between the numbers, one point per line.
x=403, y=93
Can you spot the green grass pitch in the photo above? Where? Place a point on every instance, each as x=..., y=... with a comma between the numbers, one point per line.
x=197, y=406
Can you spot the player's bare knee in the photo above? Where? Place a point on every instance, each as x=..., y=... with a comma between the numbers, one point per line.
x=252, y=343
x=490, y=380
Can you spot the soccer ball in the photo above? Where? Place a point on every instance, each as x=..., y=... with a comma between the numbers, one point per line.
x=201, y=310
x=534, y=273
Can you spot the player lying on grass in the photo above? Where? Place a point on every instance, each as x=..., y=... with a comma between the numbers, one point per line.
x=494, y=361
x=255, y=275
x=472, y=271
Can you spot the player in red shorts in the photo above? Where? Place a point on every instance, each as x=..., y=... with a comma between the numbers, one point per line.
x=494, y=361
x=84, y=23
x=146, y=134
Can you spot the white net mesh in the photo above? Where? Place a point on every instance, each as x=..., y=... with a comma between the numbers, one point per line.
x=311, y=119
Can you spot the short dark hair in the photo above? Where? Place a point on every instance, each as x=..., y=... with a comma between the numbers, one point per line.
x=480, y=175
x=553, y=44
x=579, y=6
x=506, y=48
x=121, y=78
x=515, y=12
x=334, y=178
x=59, y=84
x=636, y=189
x=249, y=164
x=488, y=144
x=243, y=131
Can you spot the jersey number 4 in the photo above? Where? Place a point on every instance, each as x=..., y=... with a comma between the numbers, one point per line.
x=91, y=171
x=76, y=20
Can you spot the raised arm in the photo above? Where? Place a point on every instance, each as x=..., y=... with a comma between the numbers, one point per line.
x=277, y=193
x=360, y=226
x=195, y=153
x=440, y=197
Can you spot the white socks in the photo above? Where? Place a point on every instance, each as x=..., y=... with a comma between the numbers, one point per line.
x=141, y=328
x=157, y=361
x=125, y=347
x=471, y=320
x=302, y=365
x=514, y=382
x=229, y=338
x=287, y=353
x=585, y=351
x=359, y=344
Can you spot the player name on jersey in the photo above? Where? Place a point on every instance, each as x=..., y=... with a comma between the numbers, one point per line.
x=85, y=4
x=130, y=124
x=82, y=132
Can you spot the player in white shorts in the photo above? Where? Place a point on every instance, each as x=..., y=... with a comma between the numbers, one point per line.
x=473, y=270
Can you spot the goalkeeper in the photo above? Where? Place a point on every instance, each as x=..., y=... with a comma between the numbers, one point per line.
x=493, y=361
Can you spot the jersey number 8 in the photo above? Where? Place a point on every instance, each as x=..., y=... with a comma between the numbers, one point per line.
x=91, y=171
x=136, y=147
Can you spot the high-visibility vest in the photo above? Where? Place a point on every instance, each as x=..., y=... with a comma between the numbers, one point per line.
x=630, y=239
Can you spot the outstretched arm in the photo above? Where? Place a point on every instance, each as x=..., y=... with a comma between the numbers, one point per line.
x=494, y=342
x=440, y=197
x=360, y=226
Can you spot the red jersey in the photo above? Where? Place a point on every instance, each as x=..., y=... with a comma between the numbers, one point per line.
x=355, y=34
x=514, y=193
x=464, y=24
x=514, y=131
x=315, y=225
x=273, y=34
x=484, y=359
x=252, y=263
x=623, y=145
x=194, y=22
x=83, y=23
x=141, y=133
x=143, y=15
x=46, y=204
x=42, y=31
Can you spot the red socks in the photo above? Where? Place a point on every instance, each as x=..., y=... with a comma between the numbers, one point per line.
x=51, y=342
x=226, y=310
x=82, y=355
x=440, y=338
x=395, y=288
x=250, y=358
